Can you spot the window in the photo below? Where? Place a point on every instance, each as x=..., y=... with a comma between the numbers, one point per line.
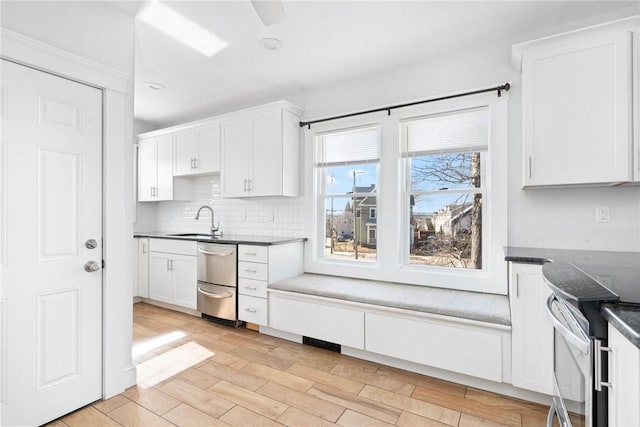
x=429, y=202
x=445, y=155
x=347, y=168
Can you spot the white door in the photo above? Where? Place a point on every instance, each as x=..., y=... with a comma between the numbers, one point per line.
x=185, y=151
x=50, y=307
x=266, y=154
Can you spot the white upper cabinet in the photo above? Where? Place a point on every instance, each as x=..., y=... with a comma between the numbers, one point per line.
x=260, y=152
x=197, y=150
x=577, y=104
x=155, y=171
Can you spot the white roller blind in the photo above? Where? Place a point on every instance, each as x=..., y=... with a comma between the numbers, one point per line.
x=348, y=147
x=446, y=133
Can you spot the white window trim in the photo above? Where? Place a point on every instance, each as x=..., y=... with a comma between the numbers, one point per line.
x=390, y=265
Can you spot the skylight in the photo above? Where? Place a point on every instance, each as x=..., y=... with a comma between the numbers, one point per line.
x=180, y=28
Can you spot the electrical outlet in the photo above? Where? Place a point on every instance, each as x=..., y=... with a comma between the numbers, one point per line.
x=602, y=214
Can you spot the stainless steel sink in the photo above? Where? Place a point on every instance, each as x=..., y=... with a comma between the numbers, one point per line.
x=204, y=236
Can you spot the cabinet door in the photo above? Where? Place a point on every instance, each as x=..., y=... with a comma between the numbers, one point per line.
x=624, y=396
x=208, y=154
x=183, y=269
x=236, y=143
x=147, y=176
x=164, y=145
x=185, y=152
x=531, y=329
x=142, y=289
x=160, y=284
x=577, y=112
x=266, y=154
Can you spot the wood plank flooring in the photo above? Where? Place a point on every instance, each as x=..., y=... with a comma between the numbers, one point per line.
x=192, y=372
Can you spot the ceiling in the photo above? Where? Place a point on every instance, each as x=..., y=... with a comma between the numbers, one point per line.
x=322, y=42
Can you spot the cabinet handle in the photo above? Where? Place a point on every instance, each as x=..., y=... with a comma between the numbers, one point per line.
x=250, y=270
x=529, y=166
x=251, y=288
x=251, y=310
x=517, y=287
x=250, y=186
x=251, y=253
x=151, y=191
x=245, y=185
x=144, y=248
x=168, y=269
x=195, y=163
x=597, y=361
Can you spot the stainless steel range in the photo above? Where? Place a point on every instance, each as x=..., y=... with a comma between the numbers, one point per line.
x=217, y=282
x=580, y=344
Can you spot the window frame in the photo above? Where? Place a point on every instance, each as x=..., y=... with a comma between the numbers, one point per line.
x=390, y=265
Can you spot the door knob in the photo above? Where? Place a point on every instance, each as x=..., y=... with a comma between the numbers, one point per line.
x=91, y=267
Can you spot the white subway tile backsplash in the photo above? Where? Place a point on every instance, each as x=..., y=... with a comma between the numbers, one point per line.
x=270, y=216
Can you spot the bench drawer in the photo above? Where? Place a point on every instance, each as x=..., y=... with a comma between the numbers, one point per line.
x=316, y=320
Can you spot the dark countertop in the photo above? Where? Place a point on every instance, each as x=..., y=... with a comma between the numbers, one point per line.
x=583, y=276
x=226, y=238
x=625, y=318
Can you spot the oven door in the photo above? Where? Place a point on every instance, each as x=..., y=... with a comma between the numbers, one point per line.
x=573, y=365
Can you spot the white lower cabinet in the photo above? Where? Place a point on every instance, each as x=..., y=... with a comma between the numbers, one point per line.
x=531, y=329
x=624, y=395
x=173, y=272
x=257, y=267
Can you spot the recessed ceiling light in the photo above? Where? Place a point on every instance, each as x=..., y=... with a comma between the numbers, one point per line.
x=271, y=43
x=155, y=86
x=180, y=28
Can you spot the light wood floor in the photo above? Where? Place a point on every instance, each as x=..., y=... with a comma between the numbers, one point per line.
x=192, y=372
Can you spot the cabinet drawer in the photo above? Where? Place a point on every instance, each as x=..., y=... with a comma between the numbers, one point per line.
x=252, y=309
x=253, y=253
x=256, y=288
x=170, y=246
x=253, y=270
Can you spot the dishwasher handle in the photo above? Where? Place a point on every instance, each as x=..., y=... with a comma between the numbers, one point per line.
x=225, y=253
x=215, y=294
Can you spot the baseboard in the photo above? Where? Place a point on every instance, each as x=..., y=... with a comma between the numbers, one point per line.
x=280, y=334
x=171, y=307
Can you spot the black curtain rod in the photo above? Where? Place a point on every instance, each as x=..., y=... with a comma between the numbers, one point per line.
x=499, y=89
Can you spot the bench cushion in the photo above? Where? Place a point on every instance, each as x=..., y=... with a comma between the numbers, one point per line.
x=447, y=302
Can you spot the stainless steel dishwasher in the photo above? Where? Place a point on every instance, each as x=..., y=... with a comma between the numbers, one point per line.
x=217, y=281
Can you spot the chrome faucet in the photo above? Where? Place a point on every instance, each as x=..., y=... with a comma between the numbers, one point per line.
x=213, y=228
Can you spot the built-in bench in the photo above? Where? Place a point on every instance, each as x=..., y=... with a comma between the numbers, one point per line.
x=446, y=302
x=447, y=331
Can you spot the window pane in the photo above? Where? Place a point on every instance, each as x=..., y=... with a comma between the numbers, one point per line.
x=349, y=232
x=446, y=230
x=446, y=171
